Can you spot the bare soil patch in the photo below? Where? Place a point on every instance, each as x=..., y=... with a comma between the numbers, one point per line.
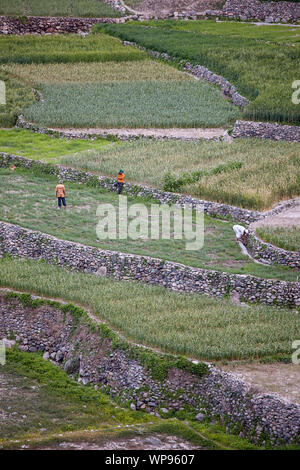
x=174, y=133
x=286, y=218
x=157, y=442
x=281, y=379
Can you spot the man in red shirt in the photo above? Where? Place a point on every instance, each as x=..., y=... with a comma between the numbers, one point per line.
x=61, y=194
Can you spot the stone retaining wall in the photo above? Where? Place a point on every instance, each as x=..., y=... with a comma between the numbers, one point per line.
x=265, y=130
x=257, y=248
x=270, y=12
x=260, y=130
x=20, y=242
x=265, y=252
x=212, y=394
x=51, y=25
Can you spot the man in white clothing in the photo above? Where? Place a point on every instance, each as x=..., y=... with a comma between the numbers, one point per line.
x=241, y=234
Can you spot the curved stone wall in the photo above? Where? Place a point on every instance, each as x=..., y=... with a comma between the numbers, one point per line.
x=20, y=242
x=269, y=253
x=62, y=335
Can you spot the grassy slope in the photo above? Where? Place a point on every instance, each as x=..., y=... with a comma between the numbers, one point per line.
x=81, y=8
x=44, y=147
x=29, y=200
x=257, y=67
x=55, y=403
x=192, y=325
x=150, y=162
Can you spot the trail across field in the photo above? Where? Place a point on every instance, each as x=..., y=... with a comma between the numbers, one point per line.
x=172, y=133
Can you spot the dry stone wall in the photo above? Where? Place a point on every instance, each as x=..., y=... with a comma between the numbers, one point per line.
x=209, y=394
x=257, y=248
x=270, y=12
x=51, y=25
x=20, y=242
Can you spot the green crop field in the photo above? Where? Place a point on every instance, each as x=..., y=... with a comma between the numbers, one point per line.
x=65, y=48
x=80, y=8
x=262, y=69
x=210, y=170
x=18, y=96
x=121, y=87
x=96, y=72
x=44, y=147
x=287, y=238
x=29, y=200
x=194, y=325
x=131, y=104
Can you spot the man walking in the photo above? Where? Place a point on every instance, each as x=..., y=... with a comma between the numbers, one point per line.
x=61, y=194
x=120, y=182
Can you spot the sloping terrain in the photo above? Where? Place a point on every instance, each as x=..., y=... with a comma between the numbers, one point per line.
x=166, y=7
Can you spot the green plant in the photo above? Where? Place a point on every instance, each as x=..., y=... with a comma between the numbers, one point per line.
x=190, y=325
x=256, y=66
x=83, y=8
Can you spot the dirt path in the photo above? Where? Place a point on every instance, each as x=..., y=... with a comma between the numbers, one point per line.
x=287, y=218
x=157, y=442
x=174, y=133
x=282, y=379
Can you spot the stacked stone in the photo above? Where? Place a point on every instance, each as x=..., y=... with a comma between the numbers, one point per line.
x=215, y=395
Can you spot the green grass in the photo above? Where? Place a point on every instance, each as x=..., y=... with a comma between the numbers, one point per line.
x=287, y=238
x=161, y=163
x=51, y=400
x=29, y=200
x=259, y=68
x=157, y=163
x=42, y=396
x=134, y=104
x=18, y=96
x=64, y=48
x=80, y=8
x=44, y=147
x=193, y=325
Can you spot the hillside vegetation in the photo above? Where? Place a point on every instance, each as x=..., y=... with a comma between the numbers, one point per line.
x=258, y=67
x=80, y=8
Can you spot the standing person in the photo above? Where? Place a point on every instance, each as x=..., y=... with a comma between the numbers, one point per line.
x=120, y=182
x=61, y=194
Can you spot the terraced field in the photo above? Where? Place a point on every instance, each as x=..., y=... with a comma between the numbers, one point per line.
x=81, y=8
x=256, y=60
x=112, y=94
x=94, y=81
x=29, y=200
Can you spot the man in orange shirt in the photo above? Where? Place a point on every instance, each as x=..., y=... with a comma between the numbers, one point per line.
x=61, y=194
x=120, y=182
